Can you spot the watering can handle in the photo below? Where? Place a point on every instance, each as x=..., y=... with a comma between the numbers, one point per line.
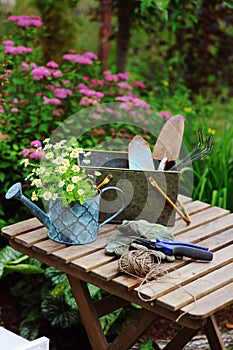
x=122, y=207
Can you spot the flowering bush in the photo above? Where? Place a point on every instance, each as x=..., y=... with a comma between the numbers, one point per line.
x=59, y=174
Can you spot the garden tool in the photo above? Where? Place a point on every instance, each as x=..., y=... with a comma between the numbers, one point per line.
x=139, y=153
x=140, y=158
x=176, y=248
x=193, y=156
x=168, y=144
x=121, y=240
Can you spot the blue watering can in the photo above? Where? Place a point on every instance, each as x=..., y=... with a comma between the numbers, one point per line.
x=75, y=224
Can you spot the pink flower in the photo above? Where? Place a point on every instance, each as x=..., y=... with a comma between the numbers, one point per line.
x=52, y=64
x=36, y=143
x=77, y=58
x=17, y=50
x=51, y=101
x=109, y=76
x=40, y=73
x=123, y=76
x=165, y=114
x=8, y=43
x=26, y=152
x=124, y=85
x=62, y=93
x=57, y=74
x=131, y=100
x=25, y=21
x=14, y=110
x=90, y=55
x=15, y=100
x=24, y=65
x=2, y=110
x=65, y=82
x=139, y=84
x=95, y=116
x=36, y=155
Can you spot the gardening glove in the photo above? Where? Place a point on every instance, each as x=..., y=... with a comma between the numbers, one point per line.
x=121, y=242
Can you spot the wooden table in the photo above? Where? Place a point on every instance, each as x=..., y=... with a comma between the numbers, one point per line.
x=190, y=292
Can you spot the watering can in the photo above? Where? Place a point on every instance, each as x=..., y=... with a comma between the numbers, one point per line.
x=75, y=224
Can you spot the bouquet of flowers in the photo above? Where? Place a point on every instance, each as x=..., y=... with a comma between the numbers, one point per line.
x=59, y=174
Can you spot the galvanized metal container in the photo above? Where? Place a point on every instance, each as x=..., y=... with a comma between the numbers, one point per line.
x=143, y=200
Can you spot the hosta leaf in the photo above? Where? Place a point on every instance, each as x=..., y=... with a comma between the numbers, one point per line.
x=26, y=269
x=8, y=254
x=29, y=330
x=56, y=276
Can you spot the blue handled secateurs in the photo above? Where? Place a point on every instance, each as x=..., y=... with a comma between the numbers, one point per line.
x=176, y=248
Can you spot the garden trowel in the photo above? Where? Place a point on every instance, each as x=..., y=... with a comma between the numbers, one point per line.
x=139, y=154
x=168, y=144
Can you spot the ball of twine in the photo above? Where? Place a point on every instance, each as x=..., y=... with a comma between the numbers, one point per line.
x=140, y=263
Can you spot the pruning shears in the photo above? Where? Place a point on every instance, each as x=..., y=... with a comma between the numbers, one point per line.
x=176, y=248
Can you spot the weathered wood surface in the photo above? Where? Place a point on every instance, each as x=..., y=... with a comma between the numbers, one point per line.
x=188, y=289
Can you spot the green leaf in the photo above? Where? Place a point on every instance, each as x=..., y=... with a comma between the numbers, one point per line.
x=29, y=330
x=8, y=254
x=228, y=4
x=26, y=269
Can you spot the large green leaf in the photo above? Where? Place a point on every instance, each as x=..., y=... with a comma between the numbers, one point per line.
x=8, y=254
x=26, y=269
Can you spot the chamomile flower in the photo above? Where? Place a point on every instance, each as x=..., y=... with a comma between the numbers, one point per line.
x=80, y=191
x=75, y=168
x=61, y=183
x=34, y=196
x=74, y=154
x=66, y=162
x=49, y=155
x=37, y=182
x=75, y=179
x=58, y=160
x=97, y=173
x=40, y=170
x=47, y=195
x=86, y=161
x=69, y=188
x=25, y=162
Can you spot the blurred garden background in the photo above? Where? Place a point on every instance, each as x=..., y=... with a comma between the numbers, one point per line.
x=60, y=56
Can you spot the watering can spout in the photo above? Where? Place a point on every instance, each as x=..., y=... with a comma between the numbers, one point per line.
x=15, y=192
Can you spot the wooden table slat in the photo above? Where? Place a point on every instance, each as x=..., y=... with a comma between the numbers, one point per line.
x=93, y=260
x=47, y=247
x=30, y=238
x=185, y=274
x=211, y=303
x=77, y=251
x=198, y=219
x=108, y=271
x=206, y=284
x=13, y=230
x=211, y=228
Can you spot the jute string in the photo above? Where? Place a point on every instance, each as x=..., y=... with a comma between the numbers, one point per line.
x=147, y=265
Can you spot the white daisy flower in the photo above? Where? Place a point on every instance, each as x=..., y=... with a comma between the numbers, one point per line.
x=61, y=183
x=47, y=195
x=74, y=154
x=62, y=169
x=37, y=182
x=25, y=162
x=66, y=162
x=58, y=160
x=75, y=179
x=34, y=196
x=97, y=173
x=80, y=191
x=49, y=155
x=86, y=161
x=69, y=188
x=75, y=168
x=40, y=170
